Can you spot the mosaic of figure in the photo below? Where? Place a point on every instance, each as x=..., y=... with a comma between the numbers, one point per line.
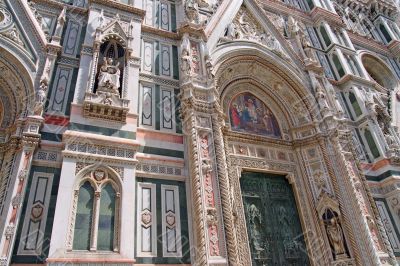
x=249, y=114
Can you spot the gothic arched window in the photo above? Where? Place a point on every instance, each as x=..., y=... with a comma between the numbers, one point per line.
x=385, y=33
x=354, y=104
x=105, y=239
x=97, y=214
x=84, y=217
x=371, y=143
x=325, y=36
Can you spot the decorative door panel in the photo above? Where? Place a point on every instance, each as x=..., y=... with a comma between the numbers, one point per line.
x=273, y=224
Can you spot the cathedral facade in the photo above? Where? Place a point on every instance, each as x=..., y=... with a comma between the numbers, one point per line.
x=199, y=132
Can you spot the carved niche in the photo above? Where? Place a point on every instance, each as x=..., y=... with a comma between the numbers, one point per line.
x=105, y=96
x=335, y=234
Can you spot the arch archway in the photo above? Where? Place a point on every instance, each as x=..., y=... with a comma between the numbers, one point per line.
x=16, y=89
x=387, y=83
x=379, y=71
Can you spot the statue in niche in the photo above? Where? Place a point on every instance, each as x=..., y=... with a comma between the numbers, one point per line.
x=209, y=67
x=231, y=31
x=256, y=238
x=391, y=141
x=109, y=76
x=335, y=236
x=292, y=26
x=306, y=45
x=321, y=98
x=192, y=10
x=41, y=97
x=186, y=58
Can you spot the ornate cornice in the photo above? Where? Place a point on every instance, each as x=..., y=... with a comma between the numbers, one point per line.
x=159, y=32
x=120, y=6
x=318, y=14
x=367, y=43
x=193, y=30
x=280, y=7
x=55, y=4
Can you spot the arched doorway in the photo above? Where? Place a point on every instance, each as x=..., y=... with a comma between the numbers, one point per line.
x=272, y=177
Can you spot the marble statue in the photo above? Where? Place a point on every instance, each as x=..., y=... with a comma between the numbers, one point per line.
x=390, y=140
x=335, y=236
x=231, y=31
x=109, y=76
x=186, y=58
x=321, y=98
x=41, y=96
x=192, y=10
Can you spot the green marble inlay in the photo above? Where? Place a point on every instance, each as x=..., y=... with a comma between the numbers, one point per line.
x=273, y=223
x=173, y=18
x=30, y=259
x=185, y=259
x=158, y=102
x=175, y=62
x=159, y=151
x=157, y=58
x=177, y=112
x=103, y=131
x=383, y=176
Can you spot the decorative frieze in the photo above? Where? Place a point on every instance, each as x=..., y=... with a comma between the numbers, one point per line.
x=100, y=150
x=159, y=169
x=105, y=106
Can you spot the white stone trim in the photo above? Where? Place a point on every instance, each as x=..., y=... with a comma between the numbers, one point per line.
x=153, y=105
x=153, y=223
x=388, y=225
x=39, y=230
x=177, y=224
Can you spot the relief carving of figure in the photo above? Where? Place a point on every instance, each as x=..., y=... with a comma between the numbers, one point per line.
x=279, y=23
x=109, y=76
x=335, y=236
x=255, y=228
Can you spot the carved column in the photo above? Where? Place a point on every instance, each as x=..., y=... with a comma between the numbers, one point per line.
x=53, y=49
x=195, y=182
x=371, y=232
x=205, y=154
x=17, y=185
x=218, y=123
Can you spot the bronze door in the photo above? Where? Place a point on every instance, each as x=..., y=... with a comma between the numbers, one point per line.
x=273, y=224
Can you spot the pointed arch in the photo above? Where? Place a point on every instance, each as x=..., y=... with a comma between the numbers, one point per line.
x=379, y=71
x=103, y=210
x=16, y=88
